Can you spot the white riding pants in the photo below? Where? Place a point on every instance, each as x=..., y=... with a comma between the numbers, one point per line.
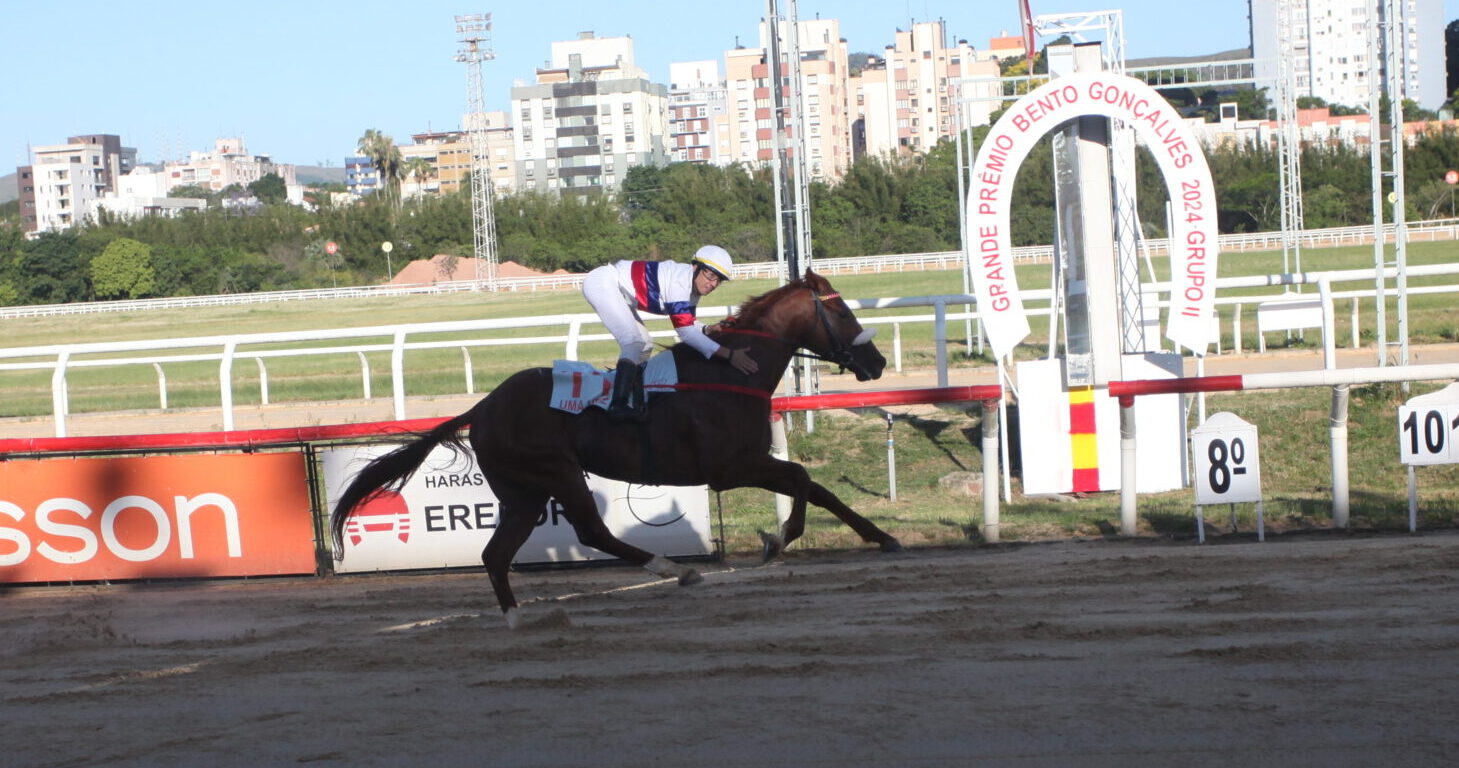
x=601, y=290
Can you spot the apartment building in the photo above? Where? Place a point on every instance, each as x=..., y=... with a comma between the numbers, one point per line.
x=449, y=155
x=698, y=120
x=228, y=164
x=64, y=179
x=591, y=115
x=905, y=102
x=360, y=176
x=1330, y=49
x=824, y=92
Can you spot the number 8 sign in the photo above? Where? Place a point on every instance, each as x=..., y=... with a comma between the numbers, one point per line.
x=1227, y=463
x=1426, y=427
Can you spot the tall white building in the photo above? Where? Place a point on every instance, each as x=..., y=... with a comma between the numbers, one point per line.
x=824, y=89
x=1329, y=44
x=699, y=124
x=65, y=180
x=906, y=102
x=591, y=115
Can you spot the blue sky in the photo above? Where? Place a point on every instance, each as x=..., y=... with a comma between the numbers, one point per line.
x=301, y=80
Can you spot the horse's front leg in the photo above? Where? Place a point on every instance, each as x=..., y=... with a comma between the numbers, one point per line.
x=866, y=529
x=778, y=476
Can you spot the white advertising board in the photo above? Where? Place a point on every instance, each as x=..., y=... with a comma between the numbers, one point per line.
x=1226, y=460
x=445, y=515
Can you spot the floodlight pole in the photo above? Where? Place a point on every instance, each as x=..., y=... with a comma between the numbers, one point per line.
x=473, y=32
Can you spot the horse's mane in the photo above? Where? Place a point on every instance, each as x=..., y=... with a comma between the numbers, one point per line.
x=753, y=310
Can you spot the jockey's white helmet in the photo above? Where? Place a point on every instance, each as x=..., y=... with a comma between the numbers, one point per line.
x=716, y=259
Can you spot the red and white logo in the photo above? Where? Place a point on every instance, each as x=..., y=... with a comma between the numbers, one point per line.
x=384, y=511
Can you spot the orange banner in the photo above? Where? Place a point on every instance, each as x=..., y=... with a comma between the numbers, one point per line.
x=154, y=517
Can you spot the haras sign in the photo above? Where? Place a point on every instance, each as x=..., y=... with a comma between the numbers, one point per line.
x=1187, y=178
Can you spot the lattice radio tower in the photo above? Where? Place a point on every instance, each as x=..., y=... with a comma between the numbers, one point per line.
x=473, y=32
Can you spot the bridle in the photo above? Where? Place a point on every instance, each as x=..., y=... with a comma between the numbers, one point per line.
x=840, y=352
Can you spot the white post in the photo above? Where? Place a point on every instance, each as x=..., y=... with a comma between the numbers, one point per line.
x=225, y=384
x=897, y=346
x=1329, y=324
x=780, y=449
x=1412, y=500
x=992, y=521
x=161, y=386
x=397, y=373
x=939, y=311
x=365, y=373
x=574, y=330
x=1355, y=322
x=1127, y=466
x=1200, y=525
x=891, y=462
x=60, y=404
x=470, y=374
x=262, y=381
x=1236, y=330
x=1337, y=428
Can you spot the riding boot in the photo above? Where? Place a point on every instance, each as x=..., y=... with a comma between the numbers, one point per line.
x=639, y=396
x=625, y=382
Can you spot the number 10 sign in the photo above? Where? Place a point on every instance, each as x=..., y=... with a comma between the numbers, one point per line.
x=1227, y=463
x=1426, y=428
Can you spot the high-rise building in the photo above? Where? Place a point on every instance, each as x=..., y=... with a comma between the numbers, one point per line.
x=591, y=115
x=66, y=178
x=699, y=123
x=906, y=102
x=1328, y=40
x=824, y=88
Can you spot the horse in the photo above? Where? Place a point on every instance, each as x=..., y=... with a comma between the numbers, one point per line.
x=714, y=431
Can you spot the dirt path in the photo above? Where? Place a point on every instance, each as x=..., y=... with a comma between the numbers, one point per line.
x=1328, y=650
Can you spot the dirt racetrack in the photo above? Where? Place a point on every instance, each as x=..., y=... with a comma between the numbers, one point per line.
x=1328, y=649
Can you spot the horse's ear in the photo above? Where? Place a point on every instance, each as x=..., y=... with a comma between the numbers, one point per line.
x=816, y=281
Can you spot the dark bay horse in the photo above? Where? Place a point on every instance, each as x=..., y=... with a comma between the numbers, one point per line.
x=715, y=432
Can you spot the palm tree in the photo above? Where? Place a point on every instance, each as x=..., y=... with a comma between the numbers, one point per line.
x=385, y=156
x=418, y=169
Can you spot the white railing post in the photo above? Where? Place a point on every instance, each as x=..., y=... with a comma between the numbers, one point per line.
x=939, y=311
x=897, y=346
x=1355, y=322
x=470, y=374
x=1329, y=324
x=397, y=373
x=262, y=381
x=992, y=519
x=225, y=384
x=161, y=386
x=365, y=373
x=1128, y=521
x=574, y=330
x=1236, y=330
x=60, y=404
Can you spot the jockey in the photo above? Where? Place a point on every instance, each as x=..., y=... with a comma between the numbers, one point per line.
x=619, y=291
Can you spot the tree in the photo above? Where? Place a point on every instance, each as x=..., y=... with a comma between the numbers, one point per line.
x=270, y=189
x=385, y=156
x=418, y=170
x=123, y=270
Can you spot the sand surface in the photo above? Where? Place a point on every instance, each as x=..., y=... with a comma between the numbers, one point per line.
x=1327, y=649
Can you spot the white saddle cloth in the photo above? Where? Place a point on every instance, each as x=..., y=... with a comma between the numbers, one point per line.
x=577, y=386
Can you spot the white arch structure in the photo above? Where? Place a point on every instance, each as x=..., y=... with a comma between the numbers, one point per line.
x=1187, y=179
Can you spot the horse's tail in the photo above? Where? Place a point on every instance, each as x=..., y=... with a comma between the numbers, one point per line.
x=392, y=471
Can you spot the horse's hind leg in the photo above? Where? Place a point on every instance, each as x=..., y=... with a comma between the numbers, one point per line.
x=582, y=512
x=516, y=518
x=866, y=529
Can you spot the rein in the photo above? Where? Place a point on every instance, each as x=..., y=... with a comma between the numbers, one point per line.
x=840, y=353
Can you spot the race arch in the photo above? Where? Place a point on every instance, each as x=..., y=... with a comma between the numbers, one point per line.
x=1193, y=245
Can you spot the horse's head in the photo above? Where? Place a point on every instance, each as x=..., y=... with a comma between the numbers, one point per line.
x=835, y=335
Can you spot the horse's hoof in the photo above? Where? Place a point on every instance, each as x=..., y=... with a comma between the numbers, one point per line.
x=891, y=545
x=552, y=618
x=689, y=577
x=774, y=545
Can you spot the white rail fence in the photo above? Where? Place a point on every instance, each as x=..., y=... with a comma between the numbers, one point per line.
x=227, y=350
x=1443, y=229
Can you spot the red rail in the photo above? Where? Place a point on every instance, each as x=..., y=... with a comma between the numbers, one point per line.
x=262, y=438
